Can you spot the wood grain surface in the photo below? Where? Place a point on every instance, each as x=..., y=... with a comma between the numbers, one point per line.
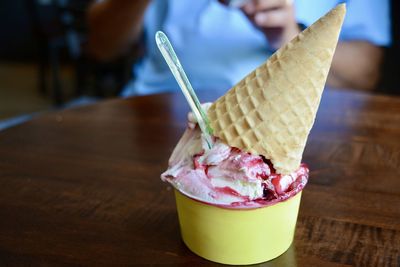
x=81, y=187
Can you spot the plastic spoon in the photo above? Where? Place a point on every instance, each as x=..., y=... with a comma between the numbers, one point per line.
x=177, y=70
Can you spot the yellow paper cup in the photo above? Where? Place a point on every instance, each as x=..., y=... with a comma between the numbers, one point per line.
x=237, y=236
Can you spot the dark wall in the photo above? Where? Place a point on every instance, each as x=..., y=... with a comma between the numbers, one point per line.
x=17, y=41
x=391, y=69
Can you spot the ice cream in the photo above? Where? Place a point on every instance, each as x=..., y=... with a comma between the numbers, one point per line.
x=238, y=201
x=227, y=176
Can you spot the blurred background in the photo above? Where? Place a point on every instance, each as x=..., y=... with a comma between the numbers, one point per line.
x=44, y=64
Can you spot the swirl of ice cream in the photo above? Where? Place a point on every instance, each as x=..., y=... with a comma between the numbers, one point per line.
x=227, y=176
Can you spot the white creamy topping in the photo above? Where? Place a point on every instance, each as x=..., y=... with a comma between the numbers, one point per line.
x=253, y=190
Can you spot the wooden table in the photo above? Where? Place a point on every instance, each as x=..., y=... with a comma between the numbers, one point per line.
x=82, y=187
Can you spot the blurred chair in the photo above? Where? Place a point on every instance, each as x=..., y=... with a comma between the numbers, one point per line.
x=60, y=28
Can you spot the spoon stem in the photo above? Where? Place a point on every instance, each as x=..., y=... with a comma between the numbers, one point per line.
x=177, y=70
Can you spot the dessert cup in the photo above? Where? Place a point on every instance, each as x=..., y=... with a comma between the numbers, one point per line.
x=269, y=113
x=237, y=236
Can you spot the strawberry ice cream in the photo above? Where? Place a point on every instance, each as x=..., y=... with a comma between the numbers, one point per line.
x=226, y=176
x=236, y=207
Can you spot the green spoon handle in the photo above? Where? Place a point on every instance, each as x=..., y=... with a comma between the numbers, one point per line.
x=177, y=70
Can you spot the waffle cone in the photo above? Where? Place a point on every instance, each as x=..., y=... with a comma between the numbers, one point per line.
x=271, y=111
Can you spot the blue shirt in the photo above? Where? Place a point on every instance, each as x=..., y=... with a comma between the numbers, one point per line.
x=218, y=45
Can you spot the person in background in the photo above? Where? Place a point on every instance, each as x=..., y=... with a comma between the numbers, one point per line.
x=218, y=45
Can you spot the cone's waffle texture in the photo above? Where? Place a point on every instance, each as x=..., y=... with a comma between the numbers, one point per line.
x=271, y=111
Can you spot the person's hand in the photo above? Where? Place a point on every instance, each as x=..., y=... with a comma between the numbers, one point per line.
x=275, y=18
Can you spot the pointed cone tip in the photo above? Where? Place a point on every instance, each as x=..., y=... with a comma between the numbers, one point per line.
x=341, y=8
